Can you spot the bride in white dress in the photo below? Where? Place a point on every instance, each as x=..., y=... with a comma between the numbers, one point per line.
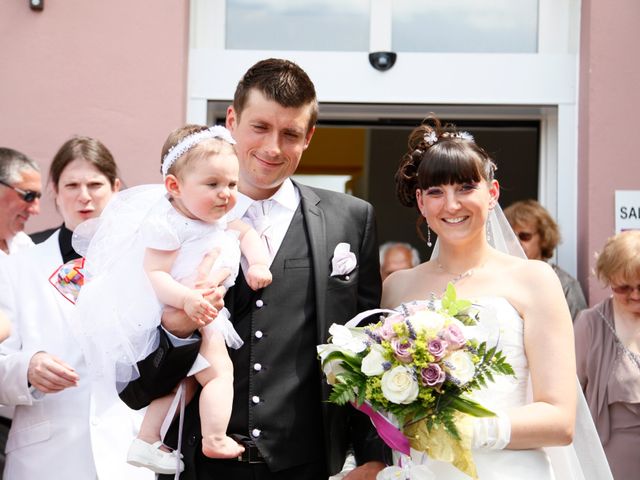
x=451, y=182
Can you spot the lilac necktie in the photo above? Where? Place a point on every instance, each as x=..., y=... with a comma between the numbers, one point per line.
x=258, y=213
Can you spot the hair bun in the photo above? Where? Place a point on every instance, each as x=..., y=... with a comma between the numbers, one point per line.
x=407, y=178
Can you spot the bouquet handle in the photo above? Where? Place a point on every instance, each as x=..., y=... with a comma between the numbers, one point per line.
x=389, y=433
x=355, y=321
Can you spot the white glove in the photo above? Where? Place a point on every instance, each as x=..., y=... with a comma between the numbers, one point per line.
x=491, y=433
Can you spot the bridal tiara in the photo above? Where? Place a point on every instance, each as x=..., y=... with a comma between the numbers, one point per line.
x=432, y=137
x=190, y=141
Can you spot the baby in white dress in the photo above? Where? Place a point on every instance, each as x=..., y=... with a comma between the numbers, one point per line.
x=181, y=222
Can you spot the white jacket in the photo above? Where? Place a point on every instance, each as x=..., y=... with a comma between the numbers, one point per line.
x=56, y=436
x=20, y=241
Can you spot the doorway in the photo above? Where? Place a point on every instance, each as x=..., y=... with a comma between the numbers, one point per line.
x=356, y=149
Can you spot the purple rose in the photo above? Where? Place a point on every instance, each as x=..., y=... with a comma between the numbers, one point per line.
x=437, y=348
x=401, y=350
x=453, y=336
x=433, y=375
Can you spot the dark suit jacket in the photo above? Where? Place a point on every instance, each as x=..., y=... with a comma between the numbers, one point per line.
x=330, y=218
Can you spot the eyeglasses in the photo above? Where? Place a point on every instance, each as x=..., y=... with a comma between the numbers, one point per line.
x=625, y=289
x=525, y=236
x=28, y=196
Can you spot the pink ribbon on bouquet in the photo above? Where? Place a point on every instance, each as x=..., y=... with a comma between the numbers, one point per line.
x=387, y=430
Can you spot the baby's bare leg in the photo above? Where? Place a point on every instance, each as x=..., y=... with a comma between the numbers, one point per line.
x=153, y=418
x=157, y=411
x=216, y=398
x=147, y=450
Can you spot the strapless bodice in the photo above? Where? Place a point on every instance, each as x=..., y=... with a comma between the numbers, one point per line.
x=500, y=324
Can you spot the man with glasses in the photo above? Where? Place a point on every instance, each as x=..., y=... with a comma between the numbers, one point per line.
x=20, y=191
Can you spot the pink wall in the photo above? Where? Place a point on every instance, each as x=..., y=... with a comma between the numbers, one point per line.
x=609, y=123
x=58, y=79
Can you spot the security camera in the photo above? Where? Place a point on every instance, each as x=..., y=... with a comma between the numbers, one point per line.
x=382, y=61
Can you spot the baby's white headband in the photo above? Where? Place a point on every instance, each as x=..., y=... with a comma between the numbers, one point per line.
x=190, y=141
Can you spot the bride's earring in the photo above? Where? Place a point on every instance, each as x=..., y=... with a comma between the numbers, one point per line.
x=423, y=218
x=488, y=228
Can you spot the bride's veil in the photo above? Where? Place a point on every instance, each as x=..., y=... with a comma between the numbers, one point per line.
x=584, y=459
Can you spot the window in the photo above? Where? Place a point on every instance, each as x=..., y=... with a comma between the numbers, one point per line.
x=465, y=26
x=333, y=25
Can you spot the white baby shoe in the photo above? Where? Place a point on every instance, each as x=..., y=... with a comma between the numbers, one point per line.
x=143, y=454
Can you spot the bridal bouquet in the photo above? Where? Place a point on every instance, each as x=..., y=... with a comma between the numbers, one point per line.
x=411, y=371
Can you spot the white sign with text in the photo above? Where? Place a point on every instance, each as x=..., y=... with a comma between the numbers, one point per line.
x=627, y=210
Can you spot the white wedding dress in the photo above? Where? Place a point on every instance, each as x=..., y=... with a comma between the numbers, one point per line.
x=501, y=324
x=584, y=459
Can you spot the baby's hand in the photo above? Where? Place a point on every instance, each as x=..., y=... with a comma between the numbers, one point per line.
x=198, y=308
x=258, y=276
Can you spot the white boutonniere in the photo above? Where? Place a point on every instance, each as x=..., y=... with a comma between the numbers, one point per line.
x=343, y=261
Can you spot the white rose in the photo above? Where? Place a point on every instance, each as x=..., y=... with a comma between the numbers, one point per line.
x=372, y=364
x=344, y=338
x=427, y=321
x=399, y=385
x=331, y=368
x=459, y=365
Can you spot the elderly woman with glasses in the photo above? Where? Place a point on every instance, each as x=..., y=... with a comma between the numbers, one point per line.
x=539, y=235
x=608, y=354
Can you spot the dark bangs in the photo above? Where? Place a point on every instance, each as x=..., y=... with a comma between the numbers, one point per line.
x=450, y=162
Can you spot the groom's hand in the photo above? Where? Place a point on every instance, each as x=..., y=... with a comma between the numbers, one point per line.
x=206, y=282
x=366, y=471
x=177, y=322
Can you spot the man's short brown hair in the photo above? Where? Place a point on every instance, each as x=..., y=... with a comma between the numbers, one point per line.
x=281, y=81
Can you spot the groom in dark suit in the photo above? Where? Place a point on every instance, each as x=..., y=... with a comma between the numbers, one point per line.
x=279, y=407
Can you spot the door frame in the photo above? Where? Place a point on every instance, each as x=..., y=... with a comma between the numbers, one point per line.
x=541, y=86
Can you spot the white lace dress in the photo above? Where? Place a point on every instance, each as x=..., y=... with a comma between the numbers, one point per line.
x=117, y=312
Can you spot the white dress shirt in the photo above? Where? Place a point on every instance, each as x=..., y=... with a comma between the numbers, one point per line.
x=284, y=205
x=19, y=242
